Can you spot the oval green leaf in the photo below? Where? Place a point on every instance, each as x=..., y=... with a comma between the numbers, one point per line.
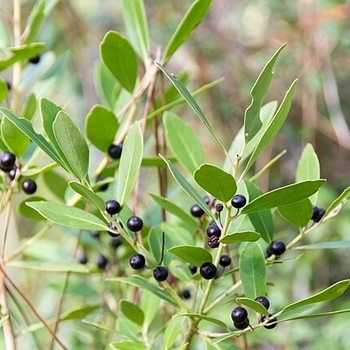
x=29, y=212
x=132, y=312
x=297, y=213
x=243, y=236
x=254, y=305
x=192, y=254
x=85, y=192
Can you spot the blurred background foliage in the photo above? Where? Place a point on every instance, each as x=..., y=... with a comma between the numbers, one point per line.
x=235, y=41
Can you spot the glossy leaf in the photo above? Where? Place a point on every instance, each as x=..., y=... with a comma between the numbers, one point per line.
x=68, y=216
x=298, y=213
x=192, y=254
x=283, y=196
x=183, y=142
x=191, y=101
x=120, y=58
x=325, y=245
x=132, y=312
x=261, y=220
x=101, y=126
x=252, y=269
x=130, y=163
x=136, y=26
x=254, y=305
x=192, y=18
x=88, y=194
x=187, y=187
x=218, y=183
x=29, y=107
x=252, y=122
x=243, y=236
x=35, y=21
x=173, y=330
x=56, y=183
x=29, y=212
x=317, y=315
x=73, y=144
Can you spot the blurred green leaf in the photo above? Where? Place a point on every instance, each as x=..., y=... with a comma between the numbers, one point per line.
x=254, y=305
x=337, y=204
x=56, y=183
x=119, y=57
x=215, y=181
x=183, y=142
x=101, y=126
x=136, y=26
x=3, y=319
x=204, y=318
x=192, y=254
x=130, y=163
x=88, y=194
x=283, y=196
x=35, y=21
x=252, y=269
x=29, y=212
x=128, y=345
x=29, y=107
x=243, y=236
x=326, y=245
x=191, y=19
x=252, y=122
x=173, y=330
x=73, y=144
x=48, y=266
x=318, y=315
x=68, y=216
x=3, y=90
x=298, y=213
x=132, y=312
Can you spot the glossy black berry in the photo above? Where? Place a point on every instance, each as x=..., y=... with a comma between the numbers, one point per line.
x=160, y=273
x=225, y=260
x=206, y=199
x=242, y=325
x=208, y=270
x=271, y=323
x=115, y=151
x=135, y=224
x=112, y=207
x=186, y=294
x=116, y=242
x=82, y=259
x=101, y=261
x=8, y=160
x=263, y=301
x=213, y=242
x=197, y=211
x=239, y=314
x=317, y=213
x=219, y=207
x=213, y=230
x=12, y=173
x=276, y=248
x=192, y=268
x=137, y=261
x=29, y=186
x=238, y=201
x=112, y=230
x=35, y=59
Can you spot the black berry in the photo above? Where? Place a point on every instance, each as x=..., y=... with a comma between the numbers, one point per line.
x=239, y=314
x=29, y=186
x=135, y=224
x=101, y=261
x=263, y=301
x=238, y=201
x=271, y=323
x=225, y=260
x=12, y=173
x=82, y=259
x=115, y=151
x=116, y=242
x=95, y=233
x=242, y=325
x=35, y=59
x=160, y=273
x=206, y=199
x=137, y=261
x=197, y=211
x=8, y=85
x=208, y=270
x=112, y=229
x=219, y=207
x=276, y=248
x=213, y=230
x=213, y=242
x=186, y=294
x=8, y=160
x=112, y=207
x=192, y=268
x=317, y=213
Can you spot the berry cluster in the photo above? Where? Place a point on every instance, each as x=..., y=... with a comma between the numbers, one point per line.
x=239, y=316
x=276, y=248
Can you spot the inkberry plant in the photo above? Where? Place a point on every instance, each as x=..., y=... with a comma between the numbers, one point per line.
x=29, y=186
x=137, y=261
x=112, y=207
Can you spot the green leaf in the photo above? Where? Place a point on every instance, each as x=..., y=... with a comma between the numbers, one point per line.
x=254, y=305
x=186, y=186
x=85, y=192
x=252, y=269
x=261, y=220
x=174, y=209
x=173, y=330
x=337, y=204
x=322, y=314
x=35, y=21
x=119, y=57
x=3, y=320
x=192, y=18
x=68, y=216
x=128, y=345
x=192, y=254
x=142, y=283
x=4, y=91
x=56, y=183
x=252, y=122
x=243, y=236
x=298, y=213
x=48, y=266
x=29, y=107
x=274, y=126
x=16, y=141
x=183, y=142
x=204, y=317
x=135, y=22
x=191, y=101
x=283, y=196
x=130, y=163
x=101, y=126
x=73, y=144
x=217, y=182
x=28, y=212
x=326, y=245
x=132, y=312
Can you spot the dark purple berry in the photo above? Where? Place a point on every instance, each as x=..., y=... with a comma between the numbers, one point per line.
x=242, y=325
x=238, y=201
x=317, y=213
x=225, y=260
x=219, y=207
x=137, y=261
x=239, y=314
x=160, y=273
x=101, y=261
x=271, y=323
x=112, y=207
x=213, y=230
x=135, y=224
x=115, y=151
x=263, y=301
x=186, y=294
x=192, y=268
x=197, y=211
x=213, y=242
x=12, y=173
x=82, y=259
x=29, y=186
x=116, y=242
x=206, y=199
x=8, y=160
x=208, y=270
x=112, y=229
x=95, y=233
x=35, y=59
x=276, y=248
